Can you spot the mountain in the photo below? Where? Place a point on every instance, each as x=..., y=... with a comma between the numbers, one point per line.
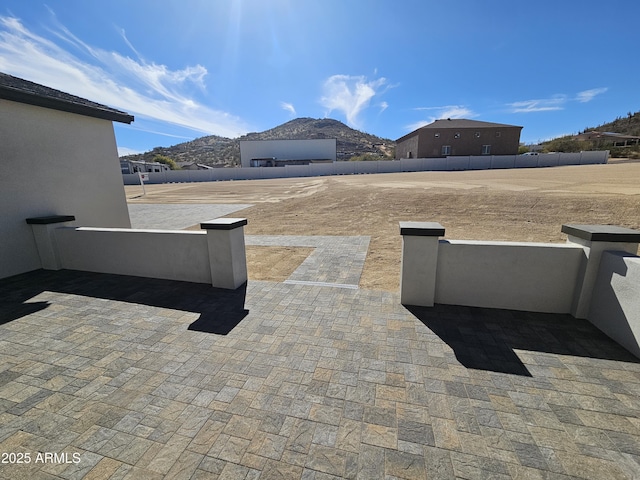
x=628, y=125
x=214, y=150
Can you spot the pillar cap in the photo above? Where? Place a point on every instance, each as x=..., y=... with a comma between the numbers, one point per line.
x=603, y=233
x=422, y=229
x=50, y=219
x=223, y=224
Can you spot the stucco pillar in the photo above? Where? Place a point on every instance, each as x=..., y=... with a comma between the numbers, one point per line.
x=594, y=240
x=419, y=262
x=43, y=231
x=227, y=256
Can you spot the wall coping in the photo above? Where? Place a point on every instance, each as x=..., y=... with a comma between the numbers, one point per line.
x=50, y=219
x=422, y=229
x=602, y=233
x=223, y=224
x=499, y=243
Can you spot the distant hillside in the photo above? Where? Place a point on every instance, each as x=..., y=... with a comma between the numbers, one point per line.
x=214, y=150
x=628, y=125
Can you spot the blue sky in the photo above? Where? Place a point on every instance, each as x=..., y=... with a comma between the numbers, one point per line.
x=189, y=68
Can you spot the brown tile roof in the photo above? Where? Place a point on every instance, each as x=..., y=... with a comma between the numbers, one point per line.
x=457, y=123
x=23, y=91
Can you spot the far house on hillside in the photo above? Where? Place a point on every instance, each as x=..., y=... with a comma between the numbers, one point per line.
x=609, y=138
x=450, y=137
x=59, y=158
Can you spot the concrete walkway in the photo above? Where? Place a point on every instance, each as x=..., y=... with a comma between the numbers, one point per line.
x=151, y=379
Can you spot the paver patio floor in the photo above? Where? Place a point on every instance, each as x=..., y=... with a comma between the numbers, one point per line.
x=158, y=379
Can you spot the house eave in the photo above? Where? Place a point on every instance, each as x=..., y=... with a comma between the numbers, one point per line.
x=29, y=98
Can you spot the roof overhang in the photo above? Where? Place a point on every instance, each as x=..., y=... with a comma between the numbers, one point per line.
x=55, y=104
x=23, y=91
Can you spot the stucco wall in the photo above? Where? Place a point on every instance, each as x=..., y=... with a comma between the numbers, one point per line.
x=503, y=140
x=615, y=305
x=54, y=162
x=535, y=277
x=287, y=150
x=215, y=255
x=407, y=148
x=168, y=254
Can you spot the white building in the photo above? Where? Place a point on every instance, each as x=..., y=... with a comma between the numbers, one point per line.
x=275, y=153
x=135, y=166
x=58, y=157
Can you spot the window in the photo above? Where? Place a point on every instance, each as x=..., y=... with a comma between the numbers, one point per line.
x=437, y=134
x=486, y=149
x=446, y=150
x=477, y=134
x=497, y=134
x=456, y=135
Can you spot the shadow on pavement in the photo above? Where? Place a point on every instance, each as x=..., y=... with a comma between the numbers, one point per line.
x=487, y=339
x=220, y=310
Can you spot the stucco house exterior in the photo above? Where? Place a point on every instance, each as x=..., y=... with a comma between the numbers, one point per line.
x=451, y=137
x=58, y=156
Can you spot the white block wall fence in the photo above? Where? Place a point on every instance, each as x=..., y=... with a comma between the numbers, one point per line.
x=215, y=255
x=594, y=276
x=484, y=162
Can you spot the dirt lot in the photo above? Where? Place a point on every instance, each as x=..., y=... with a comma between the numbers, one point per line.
x=517, y=205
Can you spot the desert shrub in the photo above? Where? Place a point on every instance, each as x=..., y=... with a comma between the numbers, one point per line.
x=167, y=161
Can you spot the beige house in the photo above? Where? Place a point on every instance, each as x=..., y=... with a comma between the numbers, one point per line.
x=58, y=156
x=452, y=137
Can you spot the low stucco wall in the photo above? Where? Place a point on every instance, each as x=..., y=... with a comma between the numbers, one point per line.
x=534, y=277
x=215, y=255
x=615, y=305
x=167, y=254
x=594, y=276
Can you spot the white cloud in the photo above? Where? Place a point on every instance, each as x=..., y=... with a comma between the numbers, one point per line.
x=289, y=108
x=414, y=126
x=445, y=111
x=556, y=102
x=542, y=105
x=142, y=88
x=122, y=151
x=456, y=111
x=350, y=95
x=588, y=95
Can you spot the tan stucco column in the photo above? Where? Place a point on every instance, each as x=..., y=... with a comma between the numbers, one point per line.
x=594, y=240
x=419, y=262
x=227, y=256
x=43, y=232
